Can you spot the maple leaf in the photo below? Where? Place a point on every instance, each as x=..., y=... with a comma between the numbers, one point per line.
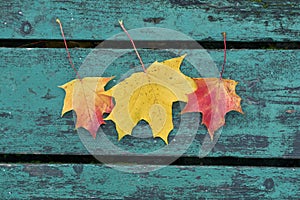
x=85, y=98
x=149, y=96
x=214, y=98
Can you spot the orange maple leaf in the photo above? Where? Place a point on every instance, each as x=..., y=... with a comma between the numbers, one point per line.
x=85, y=98
x=214, y=98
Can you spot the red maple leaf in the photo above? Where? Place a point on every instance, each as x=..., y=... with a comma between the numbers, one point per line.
x=214, y=98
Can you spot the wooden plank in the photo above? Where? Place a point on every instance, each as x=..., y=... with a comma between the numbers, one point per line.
x=268, y=20
x=23, y=181
x=268, y=83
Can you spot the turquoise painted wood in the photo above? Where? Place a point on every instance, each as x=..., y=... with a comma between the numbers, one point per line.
x=268, y=20
x=31, y=103
x=173, y=182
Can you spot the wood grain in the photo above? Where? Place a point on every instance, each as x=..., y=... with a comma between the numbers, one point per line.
x=41, y=181
x=31, y=103
x=268, y=20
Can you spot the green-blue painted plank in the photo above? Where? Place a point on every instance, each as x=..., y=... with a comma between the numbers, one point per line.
x=31, y=103
x=24, y=181
x=268, y=20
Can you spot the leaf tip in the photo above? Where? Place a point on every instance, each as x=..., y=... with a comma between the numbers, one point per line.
x=94, y=135
x=183, y=56
x=108, y=92
x=240, y=110
x=121, y=134
x=165, y=139
x=211, y=134
x=62, y=113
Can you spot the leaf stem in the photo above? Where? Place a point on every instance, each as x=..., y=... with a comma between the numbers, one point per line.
x=224, y=61
x=134, y=47
x=66, y=46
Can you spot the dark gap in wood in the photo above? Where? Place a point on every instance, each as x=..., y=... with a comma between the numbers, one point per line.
x=19, y=43
x=147, y=160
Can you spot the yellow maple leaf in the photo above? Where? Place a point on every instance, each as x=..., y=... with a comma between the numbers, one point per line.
x=85, y=98
x=149, y=96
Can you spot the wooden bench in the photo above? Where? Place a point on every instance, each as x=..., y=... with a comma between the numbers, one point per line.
x=257, y=154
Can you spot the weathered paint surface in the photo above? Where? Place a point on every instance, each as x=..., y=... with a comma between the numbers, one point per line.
x=173, y=182
x=31, y=103
x=268, y=20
